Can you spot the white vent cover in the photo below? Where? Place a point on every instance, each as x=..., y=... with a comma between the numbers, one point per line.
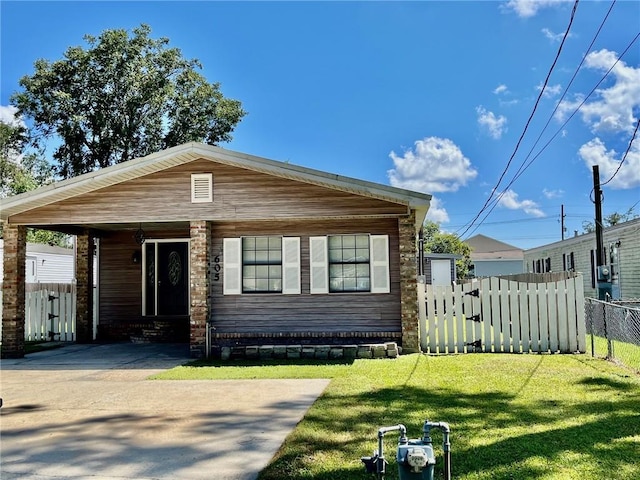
x=201, y=187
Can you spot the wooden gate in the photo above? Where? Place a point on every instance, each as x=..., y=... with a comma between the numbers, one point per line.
x=498, y=315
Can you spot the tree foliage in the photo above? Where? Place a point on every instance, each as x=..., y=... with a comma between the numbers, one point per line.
x=610, y=220
x=20, y=172
x=436, y=241
x=123, y=97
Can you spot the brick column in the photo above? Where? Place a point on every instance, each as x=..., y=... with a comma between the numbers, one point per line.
x=409, y=284
x=13, y=290
x=84, y=288
x=200, y=302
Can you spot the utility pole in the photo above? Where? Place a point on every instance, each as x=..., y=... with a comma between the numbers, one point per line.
x=562, y=216
x=603, y=274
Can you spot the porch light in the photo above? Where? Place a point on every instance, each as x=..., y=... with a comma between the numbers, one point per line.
x=139, y=235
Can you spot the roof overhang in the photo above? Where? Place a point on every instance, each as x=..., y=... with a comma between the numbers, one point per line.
x=189, y=152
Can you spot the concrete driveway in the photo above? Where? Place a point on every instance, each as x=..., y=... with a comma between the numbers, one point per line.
x=87, y=411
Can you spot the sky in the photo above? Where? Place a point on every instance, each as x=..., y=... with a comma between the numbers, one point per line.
x=440, y=97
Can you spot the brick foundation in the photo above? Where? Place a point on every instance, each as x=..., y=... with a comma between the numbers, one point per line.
x=311, y=352
x=13, y=291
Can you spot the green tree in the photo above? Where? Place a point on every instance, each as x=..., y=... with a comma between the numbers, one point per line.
x=436, y=241
x=123, y=97
x=610, y=220
x=20, y=172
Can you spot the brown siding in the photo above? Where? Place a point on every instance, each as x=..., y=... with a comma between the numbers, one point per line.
x=238, y=195
x=264, y=313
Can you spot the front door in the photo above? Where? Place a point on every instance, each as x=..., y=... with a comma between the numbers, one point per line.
x=166, y=278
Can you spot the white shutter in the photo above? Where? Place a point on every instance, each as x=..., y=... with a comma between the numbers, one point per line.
x=379, y=246
x=232, y=262
x=291, y=265
x=319, y=264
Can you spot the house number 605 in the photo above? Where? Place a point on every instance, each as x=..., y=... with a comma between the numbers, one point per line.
x=216, y=268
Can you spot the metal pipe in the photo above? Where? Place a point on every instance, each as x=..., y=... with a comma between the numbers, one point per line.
x=446, y=443
x=381, y=433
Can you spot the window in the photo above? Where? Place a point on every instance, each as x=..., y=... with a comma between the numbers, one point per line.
x=349, y=263
x=261, y=265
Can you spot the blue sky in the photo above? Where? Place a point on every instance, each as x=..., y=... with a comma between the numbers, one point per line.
x=429, y=96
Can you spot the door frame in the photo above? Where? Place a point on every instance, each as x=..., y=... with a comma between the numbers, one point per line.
x=144, y=272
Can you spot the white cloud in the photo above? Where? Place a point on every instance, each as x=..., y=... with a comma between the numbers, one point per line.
x=435, y=165
x=554, y=37
x=501, y=89
x=594, y=152
x=8, y=116
x=551, y=194
x=437, y=212
x=496, y=126
x=610, y=109
x=509, y=200
x=529, y=8
x=550, y=90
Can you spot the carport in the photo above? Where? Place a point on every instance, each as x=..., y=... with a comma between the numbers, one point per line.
x=88, y=411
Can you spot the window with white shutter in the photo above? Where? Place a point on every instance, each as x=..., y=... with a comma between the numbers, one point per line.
x=201, y=187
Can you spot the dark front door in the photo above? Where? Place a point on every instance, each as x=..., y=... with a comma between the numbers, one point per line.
x=167, y=277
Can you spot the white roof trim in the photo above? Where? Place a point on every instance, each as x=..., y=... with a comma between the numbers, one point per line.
x=189, y=152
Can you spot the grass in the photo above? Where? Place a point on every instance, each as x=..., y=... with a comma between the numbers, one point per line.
x=512, y=416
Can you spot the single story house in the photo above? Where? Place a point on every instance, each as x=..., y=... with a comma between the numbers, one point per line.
x=491, y=257
x=223, y=248
x=621, y=244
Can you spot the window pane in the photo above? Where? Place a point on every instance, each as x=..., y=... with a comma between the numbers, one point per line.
x=362, y=241
x=349, y=263
x=262, y=264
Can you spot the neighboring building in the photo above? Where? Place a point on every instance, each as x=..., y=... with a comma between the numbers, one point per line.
x=490, y=257
x=45, y=263
x=440, y=268
x=621, y=244
x=224, y=248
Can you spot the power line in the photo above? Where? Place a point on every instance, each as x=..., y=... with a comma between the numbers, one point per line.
x=494, y=201
x=624, y=157
x=535, y=107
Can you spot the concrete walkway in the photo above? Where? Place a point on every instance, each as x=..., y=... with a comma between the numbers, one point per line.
x=87, y=411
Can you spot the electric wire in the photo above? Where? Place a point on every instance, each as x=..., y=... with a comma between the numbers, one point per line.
x=535, y=107
x=494, y=201
x=624, y=157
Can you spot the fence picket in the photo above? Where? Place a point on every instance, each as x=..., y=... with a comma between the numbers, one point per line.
x=514, y=316
x=534, y=345
x=468, y=314
x=440, y=319
x=459, y=316
x=485, y=304
x=431, y=315
x=496, y=321
x=580, y=316
x=553, y=316
x=525, y=332
x=505, y=315
x=543, y=315
x=564, y=339
x=422, y=316
x=449, y=314
x=477, y=310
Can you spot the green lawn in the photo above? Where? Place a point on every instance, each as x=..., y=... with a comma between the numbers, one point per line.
x=512, y=416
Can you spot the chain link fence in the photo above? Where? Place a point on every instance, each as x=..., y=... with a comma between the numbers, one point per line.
x=614, y=330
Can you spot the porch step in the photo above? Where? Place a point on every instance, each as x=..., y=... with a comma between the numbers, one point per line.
x=319, y=352
x=162, y=331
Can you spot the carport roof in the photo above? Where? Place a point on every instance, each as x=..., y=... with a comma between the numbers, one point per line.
x=189, y=152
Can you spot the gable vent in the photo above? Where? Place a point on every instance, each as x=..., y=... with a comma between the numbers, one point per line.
x=201, y=187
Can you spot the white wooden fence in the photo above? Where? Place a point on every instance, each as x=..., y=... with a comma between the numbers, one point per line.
x=498, y=315
x=49, y=309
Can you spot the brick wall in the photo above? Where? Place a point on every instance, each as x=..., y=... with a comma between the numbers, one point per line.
x=200, y=304
x=408, y=284
x=13, y=291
